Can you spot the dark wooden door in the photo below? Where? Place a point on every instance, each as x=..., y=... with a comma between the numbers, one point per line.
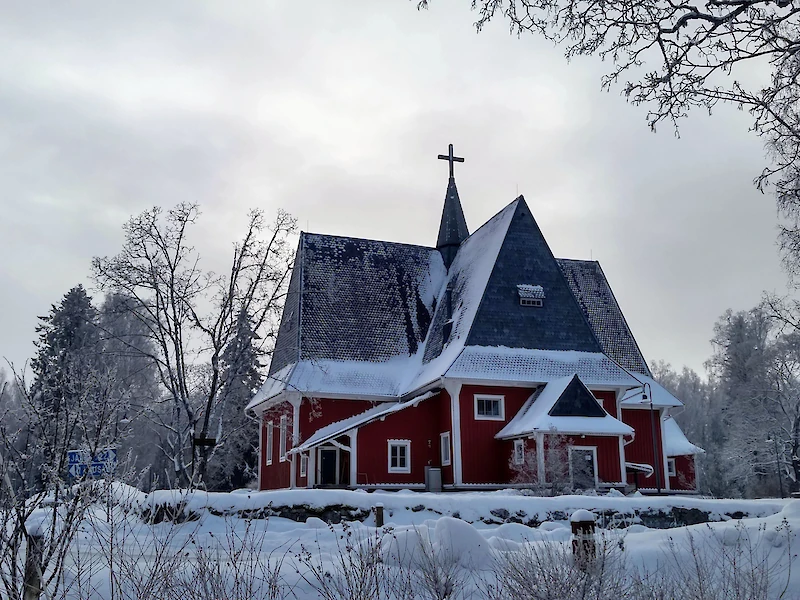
x=328, y=467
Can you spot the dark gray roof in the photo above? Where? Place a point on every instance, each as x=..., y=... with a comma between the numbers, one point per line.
x=362, y=300
x=576, y=401
x=590, y=287
x=287, y=345
x=525, y=258
x=355, y=299
x=453, y=227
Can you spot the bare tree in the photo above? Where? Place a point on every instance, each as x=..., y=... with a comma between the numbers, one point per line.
x=190, y=315
x=36, y=492
x=675, y=56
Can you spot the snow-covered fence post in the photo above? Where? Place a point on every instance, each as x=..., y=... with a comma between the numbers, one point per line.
x=32, y=585
x=583, y=544
x=379, y=514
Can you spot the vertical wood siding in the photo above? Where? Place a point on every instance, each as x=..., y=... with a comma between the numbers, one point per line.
x=608, y=400
x=485, y=459
x=276, y=475
x=445, y=424
x=420, y=425
x=641, y=449
x=685, y=478
x=608, y=469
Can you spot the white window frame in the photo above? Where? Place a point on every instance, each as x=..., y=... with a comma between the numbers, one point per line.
x=519, y=452
x=270, y=441
x=672, y=468
x=444, y=449
x=593, y=449
x=536, y=302
x=282, y=447
x=502, y=411
x=400, y=444
x=304, y=465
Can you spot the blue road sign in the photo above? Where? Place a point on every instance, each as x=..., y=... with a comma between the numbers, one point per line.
x=100, y=465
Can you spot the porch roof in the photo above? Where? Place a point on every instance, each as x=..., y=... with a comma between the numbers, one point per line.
x=334, y=430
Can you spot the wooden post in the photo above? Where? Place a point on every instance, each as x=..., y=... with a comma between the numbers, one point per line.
x=32, y=585
x=379, y=514
x=584, y=548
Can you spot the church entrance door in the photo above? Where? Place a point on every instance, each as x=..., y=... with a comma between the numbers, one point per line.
x=583, y=467
x=328, y=462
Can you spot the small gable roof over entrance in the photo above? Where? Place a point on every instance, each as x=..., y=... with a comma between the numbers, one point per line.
x=544, y=412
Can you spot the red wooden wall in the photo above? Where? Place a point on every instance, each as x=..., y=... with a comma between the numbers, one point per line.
x=419, y=424
x=608, y=467
x=685, y=478
x=485, y=459
x=445, y=424
x=641, y=449
x=609, y=401
x=276, y=475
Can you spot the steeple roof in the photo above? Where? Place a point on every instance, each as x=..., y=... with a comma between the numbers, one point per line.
x=453, y=228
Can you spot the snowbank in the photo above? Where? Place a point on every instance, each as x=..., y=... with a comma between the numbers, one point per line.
x=406, y=507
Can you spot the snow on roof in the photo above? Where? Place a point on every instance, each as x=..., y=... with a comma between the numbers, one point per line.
x=273, y=386
x=640, y=467
x=530, y=291
x=661, y=397
x=538, y=366
x=534, y=417
x=338, y=428
x=675, y=442
x=467, y=279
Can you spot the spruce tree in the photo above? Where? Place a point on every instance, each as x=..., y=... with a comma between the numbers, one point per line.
x=234, y=463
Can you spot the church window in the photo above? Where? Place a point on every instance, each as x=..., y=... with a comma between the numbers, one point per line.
x=671, y=470
x=399, y=456
x=303, y=465
x=489, y=408
x=269, y=442
x=531, y=295
x=519, y=452
x=444, y=448
x=282, y=448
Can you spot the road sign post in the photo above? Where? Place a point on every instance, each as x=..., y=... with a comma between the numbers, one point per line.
x=98, y=466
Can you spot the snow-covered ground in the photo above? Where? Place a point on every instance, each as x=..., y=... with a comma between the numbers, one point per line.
x=423, y=552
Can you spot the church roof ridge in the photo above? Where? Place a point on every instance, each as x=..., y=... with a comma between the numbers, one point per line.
x=364, y=239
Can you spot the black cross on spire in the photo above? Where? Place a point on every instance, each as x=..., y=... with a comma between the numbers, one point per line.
x=451, y=159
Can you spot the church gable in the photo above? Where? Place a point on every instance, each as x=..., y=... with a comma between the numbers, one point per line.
x=576, y=401
x=503, y=320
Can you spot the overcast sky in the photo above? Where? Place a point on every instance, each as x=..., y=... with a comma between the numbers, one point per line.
x=336, y=111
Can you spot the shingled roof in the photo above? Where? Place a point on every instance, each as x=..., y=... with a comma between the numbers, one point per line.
x=356, y=299
x=590, y=287
x=373, y=318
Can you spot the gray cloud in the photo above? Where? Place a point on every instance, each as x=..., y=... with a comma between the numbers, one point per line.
x=335, y=111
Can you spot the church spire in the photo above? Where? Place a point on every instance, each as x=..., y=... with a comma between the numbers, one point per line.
x=453, y=228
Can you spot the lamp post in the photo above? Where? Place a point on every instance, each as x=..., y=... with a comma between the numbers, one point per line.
x=656, y=467
x=774, y=440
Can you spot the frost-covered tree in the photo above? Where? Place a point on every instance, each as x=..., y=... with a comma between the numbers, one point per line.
x=72, y=404
x=675, y=56
x=235, y=459
x=124, y=350
x=190, y=315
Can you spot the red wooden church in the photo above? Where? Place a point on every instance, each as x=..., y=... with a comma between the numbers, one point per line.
x=484, y=360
